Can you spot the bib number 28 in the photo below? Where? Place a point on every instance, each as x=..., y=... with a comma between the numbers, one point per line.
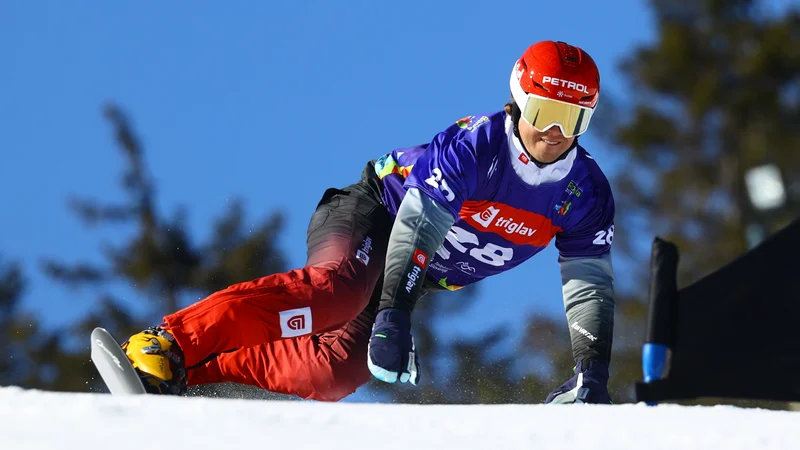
x=491, y=254
x=604, y=237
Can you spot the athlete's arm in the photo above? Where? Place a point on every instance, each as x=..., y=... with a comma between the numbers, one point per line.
x=589, y=300
x=443, y=177
x=419, y=230
x=587, y=276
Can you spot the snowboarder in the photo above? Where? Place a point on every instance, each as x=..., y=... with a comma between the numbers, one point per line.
x=487, y=193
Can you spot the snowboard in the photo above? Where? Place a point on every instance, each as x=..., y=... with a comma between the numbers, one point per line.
x=116, y=370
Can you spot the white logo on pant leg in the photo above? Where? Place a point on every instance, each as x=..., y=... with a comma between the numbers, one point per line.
x=295, y=322
x=363, y=253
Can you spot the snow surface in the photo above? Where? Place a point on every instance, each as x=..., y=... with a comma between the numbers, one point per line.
x=49, y=420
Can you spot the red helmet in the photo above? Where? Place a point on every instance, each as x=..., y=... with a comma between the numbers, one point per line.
x=556, y=84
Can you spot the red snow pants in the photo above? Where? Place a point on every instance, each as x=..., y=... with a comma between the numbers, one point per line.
x=304, y=332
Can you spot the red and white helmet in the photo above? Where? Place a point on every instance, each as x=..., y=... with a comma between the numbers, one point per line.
x=556, y=84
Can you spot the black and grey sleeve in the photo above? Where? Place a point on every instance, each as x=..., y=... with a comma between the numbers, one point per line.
x=589, y=301
x=419, y=230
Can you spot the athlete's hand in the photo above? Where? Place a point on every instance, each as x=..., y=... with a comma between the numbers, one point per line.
x=391, y=352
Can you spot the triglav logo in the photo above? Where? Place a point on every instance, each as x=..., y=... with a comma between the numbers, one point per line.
x=486, y=217
x=511, y=227
x=508, y=224
x=363, y=253
x=295, y=322
x=420, y=258
x=412, y=277
x=520, y=226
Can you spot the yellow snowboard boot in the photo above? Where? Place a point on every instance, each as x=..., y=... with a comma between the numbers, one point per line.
x=159, y=361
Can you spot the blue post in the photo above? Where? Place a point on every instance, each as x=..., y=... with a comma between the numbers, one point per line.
x=654, y=357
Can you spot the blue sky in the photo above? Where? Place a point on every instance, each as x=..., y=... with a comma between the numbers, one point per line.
x=271, y=102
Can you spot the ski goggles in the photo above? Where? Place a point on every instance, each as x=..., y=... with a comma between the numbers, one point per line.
x=544, y=113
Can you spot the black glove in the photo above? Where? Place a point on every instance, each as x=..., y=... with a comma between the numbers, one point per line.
x=391, y=351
